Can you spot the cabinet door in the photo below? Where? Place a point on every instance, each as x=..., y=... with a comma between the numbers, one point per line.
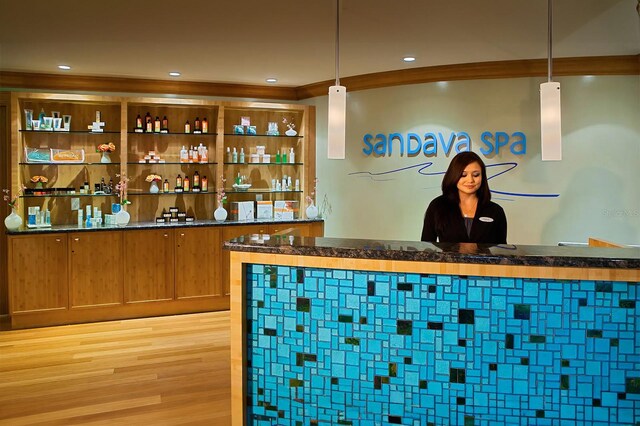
x=229, y=232
x=197, y=257
x=38, y=278
x=96, y=269
x=148, y=261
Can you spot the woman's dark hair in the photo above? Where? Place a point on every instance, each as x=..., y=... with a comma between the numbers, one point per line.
x=454, y=173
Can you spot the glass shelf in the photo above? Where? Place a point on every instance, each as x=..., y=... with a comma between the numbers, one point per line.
x=172, y=134
x=70, y=164
x=84, y=132
x=68, y=195
x=264, y=136
x=171, y=193
x=171, y=163
x=263, y=164
x=260, y=191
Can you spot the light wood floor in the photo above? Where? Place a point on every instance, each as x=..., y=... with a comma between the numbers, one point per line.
x=154, y=371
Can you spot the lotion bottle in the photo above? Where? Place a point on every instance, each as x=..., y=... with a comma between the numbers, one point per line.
x=234, y=158
x=292, y=156
x=242, y=155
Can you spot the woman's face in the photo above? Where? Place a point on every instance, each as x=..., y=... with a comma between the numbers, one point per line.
x=471, y=179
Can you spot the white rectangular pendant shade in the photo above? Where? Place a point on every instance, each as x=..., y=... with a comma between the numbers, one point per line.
x=336, y=134
x=550, y=121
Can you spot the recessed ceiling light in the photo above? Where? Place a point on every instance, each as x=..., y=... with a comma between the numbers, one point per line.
x=175, y=74
x=64, y=67
x=272, y=80
x=409, y=58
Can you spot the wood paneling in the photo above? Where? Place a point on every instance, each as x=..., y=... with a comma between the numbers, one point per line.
x=95, y=269
x=154, y=371
x=595, y=65
x=562, y=67
x=197, y=262
x=38, y=274
x=149, y=265
x=5, y=175
x=17, y=80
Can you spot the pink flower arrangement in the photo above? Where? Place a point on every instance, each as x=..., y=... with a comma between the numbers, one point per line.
x=121, y=189
x=221, y=196
x=12, y=201
x=289, y=124
x=311, y=197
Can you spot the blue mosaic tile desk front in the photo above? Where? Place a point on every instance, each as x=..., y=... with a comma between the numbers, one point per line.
x=339, y=347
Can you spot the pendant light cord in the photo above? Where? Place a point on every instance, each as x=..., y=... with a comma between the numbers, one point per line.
x=337, y=42
x=549, y=39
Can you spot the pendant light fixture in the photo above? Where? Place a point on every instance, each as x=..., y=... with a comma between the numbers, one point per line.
x=550, y=116
x=337, y=113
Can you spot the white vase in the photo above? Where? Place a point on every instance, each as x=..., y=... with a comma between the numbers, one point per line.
x=122, y=217
x=13, y=221
x=290, y=132
x=154, y=187
x=312, y=211
x=105, y=158
x=220, y=214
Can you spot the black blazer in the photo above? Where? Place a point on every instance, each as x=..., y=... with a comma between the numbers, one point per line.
x=444, y=222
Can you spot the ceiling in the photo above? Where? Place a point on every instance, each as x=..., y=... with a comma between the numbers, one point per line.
x=247, y=41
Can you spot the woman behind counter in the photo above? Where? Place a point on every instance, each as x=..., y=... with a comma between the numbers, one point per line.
x=464, y=212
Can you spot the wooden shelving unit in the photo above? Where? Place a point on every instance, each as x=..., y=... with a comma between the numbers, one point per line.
x=119, y=115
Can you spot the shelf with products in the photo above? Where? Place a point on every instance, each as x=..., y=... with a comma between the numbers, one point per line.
x=68, y=195
x=117, y=117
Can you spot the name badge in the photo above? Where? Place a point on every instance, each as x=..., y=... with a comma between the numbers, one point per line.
x=485, y=219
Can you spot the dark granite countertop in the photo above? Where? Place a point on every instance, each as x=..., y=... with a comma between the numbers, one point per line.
x=504, y=254
x=152, y=225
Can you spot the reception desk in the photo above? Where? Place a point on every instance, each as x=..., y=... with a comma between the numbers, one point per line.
x=335, y=331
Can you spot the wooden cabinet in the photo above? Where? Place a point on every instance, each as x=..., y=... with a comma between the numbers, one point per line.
x=149, y=265
x=38, y=273
x=197, y=262
x=95, y=269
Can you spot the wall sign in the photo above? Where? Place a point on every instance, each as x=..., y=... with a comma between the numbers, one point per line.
x=432, y=144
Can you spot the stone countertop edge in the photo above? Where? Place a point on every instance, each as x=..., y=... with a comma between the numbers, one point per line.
x=152, y=225
x=503, y=254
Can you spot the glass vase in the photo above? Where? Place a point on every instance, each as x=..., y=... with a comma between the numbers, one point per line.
x=105, y=158
x=220, y=214
x=312, y=211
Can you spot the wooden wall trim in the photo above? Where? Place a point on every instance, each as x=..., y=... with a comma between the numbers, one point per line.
x=5, y=174
x=562, y=67
x=19, y=80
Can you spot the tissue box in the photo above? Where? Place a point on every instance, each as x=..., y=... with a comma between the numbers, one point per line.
x=285, y=210
x=264, y=210
x=242, y=210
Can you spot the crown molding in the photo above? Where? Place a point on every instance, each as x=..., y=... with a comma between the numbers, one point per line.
x=562, y=67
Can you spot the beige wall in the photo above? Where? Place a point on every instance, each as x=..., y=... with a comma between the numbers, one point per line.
x=597, y=180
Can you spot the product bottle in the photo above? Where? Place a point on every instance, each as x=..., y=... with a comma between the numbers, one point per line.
x=284, y=156
x=196, y=180
x=229, y=158
x=187, y=127
x=238, y=179
x=156, y=125
x=41, y=116
x=234, y=156
x=289, y=187
x=194, y=155
x=278, y=161
x=103, y=185
x=242, y=155
x=179, y=181
x=110, y=186
x=297, y=184
x=196, y=125
x=139, y=122
x=204, y=156
x=185, y=183
x=205, y=184
x=205, y=125
x=292, y=156
x=86, y=188
x=165, y=186
x=148, y=125
x=184, y=155
x=165, y=124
